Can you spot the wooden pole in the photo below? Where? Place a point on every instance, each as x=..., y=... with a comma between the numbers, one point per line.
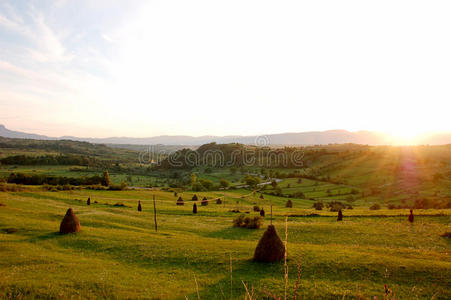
x=271, y=212
x=155, y=213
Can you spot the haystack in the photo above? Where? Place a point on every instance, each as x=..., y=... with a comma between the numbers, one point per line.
x=219, y=201
x=270, y=248
x=204, y=202
x=340, y=216
x=70, y=223
x=411, y=216
x=139, y=206
x=180, y=201
x=194, y=208
x=289, y=204
x=194, y=198
x=89, y=201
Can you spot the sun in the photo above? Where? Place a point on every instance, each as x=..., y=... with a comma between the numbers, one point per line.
x=403, y=135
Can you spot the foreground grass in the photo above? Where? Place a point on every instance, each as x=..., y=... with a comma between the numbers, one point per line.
x=118, y=254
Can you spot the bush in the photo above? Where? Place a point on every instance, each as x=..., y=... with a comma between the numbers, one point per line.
x=256, y=208
x=248, y=222
x=391, y=206
x=335, y=206
x=289, y=204
x=318, y=205
x=118, y=187
x=375, y=206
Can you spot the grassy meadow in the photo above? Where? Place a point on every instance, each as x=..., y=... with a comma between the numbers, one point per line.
x=118, y=253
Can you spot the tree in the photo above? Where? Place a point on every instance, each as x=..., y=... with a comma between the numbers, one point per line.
x=106, y=181
x=318, y=205
x=252, y=181
x=193, y=178
x=224, y=183
x=207, y=184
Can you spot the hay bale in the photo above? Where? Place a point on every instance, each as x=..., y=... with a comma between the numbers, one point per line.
x=180, y=201
x=270, y=248
x=262, y=212
x=219, y=201
x=89, y=201
x=194, y=208
x=194, y=198
x=204, y=202
x=289, y=204
x=70, y=223
x=340, y=216
x=411, y=216
x=139, y=206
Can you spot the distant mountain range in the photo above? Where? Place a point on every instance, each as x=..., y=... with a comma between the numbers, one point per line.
x=299, y=138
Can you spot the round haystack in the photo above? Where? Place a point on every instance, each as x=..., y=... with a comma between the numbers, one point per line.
x=262, y=212
x=204, y=202
x=289, y=204
x=89, y=201
x=411, y=216
x=70, y=223
x=194, y=198
x=139, y=206
x=270, y=248
x=340, y=216
x=219, y=201
x=194, y=208
x=180, y=201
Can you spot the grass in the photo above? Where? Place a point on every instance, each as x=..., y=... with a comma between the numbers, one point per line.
x=118, y=254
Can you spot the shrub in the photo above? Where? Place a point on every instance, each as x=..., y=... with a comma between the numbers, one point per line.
x=375, y=206
x=248, y=222
x=391, y=206
x=256, y=208
x=289, y=204
x=335, y=206
x=318, y=205
x=120, y=204
x=118, y=187
x=299, y=195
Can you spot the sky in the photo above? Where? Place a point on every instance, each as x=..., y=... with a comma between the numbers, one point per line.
x=145, y=68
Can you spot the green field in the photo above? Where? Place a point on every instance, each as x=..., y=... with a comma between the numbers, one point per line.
x=118, y=254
